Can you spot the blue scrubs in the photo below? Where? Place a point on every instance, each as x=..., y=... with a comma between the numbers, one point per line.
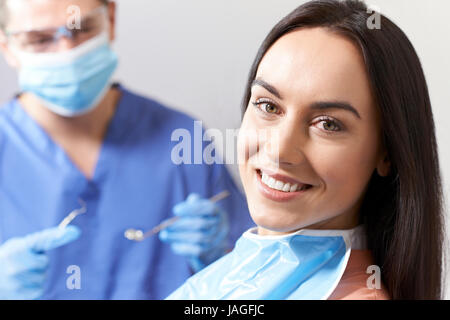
x=135, y=185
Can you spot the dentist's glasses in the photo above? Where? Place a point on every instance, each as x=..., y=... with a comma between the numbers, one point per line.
x=46, y=40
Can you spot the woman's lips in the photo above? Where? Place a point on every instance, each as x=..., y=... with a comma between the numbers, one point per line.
x=277, y=195
x=281, y=177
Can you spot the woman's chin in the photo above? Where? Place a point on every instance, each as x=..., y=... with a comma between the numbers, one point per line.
x=275, y=223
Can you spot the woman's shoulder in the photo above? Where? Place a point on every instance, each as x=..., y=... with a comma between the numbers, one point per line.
x=355, y=283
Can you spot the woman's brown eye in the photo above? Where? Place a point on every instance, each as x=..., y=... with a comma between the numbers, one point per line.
x=330, y=126
x=266, y=107
x=270, y=108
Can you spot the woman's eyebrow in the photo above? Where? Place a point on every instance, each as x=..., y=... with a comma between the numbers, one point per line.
x=319, y=105
x=325, y=105
x=268, y=87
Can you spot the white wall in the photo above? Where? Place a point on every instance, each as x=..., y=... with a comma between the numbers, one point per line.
x=195, y=54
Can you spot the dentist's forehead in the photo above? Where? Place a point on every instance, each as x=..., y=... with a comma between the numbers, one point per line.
x=315, y=63
x=37, y=14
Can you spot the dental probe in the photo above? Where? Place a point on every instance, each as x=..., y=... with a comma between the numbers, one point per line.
x=139, y=235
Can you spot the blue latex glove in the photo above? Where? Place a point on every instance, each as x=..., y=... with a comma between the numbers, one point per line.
x=201, y=232
x=23, y=262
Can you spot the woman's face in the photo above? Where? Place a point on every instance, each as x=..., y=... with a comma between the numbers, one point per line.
x=311, y=121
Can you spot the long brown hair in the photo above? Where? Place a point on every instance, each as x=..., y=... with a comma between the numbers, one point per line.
x=403, y=211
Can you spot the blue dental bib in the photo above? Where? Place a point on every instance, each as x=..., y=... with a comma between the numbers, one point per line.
x=307, y=264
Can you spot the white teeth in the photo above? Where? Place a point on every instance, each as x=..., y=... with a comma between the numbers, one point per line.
x=287, y=187
x=278, y=185
x=264, y=178
x=271, y=183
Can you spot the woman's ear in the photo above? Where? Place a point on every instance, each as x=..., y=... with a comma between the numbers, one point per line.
x=384, y=165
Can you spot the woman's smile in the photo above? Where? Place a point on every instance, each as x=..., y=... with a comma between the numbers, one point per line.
x=278, y=187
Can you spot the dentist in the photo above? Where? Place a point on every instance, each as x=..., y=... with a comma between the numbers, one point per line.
x=72, y=135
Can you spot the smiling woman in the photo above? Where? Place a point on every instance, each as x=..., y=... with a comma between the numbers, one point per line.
x=352, y=108
x=352, y=185
x=320, y=103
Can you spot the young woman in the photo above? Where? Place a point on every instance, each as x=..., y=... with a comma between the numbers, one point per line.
x=351, y=184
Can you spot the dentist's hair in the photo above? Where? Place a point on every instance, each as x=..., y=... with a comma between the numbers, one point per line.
x=402, y=212
x=4, y=12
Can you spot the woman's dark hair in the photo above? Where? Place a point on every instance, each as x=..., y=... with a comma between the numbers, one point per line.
x=402, y=212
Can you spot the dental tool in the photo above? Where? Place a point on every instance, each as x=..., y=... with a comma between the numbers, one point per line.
x=139, y=235
x=69, y=218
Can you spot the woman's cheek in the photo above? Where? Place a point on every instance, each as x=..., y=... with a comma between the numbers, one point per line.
x=247, y=148
x=345, y=175
x=252, y=139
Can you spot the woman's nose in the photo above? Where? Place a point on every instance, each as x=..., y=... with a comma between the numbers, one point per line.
x=285, y=144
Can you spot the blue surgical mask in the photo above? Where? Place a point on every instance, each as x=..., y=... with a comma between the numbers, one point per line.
x=71, y=82
x=307, y=264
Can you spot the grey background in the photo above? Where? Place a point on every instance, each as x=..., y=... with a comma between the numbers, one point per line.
x=194, y=55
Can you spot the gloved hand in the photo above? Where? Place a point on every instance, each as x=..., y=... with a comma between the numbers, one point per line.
x=23, y=261
x=201, y=232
